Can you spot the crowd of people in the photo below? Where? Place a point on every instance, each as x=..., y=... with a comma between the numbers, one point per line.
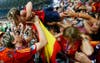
x=75, y=25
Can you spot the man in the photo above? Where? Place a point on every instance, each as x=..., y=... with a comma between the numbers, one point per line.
x=46, y=15
x=24, y=55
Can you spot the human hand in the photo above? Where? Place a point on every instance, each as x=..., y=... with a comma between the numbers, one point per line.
x=81, y=57
x=71, y=13
x=63, y=14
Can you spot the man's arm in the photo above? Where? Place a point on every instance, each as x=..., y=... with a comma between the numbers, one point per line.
x=87, y=17
x=81, y=15
x=28, y=10
x=42, y=39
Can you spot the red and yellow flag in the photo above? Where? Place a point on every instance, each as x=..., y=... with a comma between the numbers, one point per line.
x=52, y=48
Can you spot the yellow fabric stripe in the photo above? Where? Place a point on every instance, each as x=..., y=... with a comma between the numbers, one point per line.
x=51, y=41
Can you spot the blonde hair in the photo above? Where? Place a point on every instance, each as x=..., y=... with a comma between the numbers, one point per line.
x=13, y=13
x=72, y=33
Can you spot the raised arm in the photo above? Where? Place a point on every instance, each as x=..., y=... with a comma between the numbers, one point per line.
x=28, y=10
x=42, y=39
x=81, y=15
x=87, y=17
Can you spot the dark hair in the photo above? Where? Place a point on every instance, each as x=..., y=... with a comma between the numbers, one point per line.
x=72, y=33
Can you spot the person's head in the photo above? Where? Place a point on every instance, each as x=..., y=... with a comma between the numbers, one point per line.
x=71, y=33
x=14, y=16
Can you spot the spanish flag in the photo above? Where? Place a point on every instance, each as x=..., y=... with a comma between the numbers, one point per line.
x=52, y=48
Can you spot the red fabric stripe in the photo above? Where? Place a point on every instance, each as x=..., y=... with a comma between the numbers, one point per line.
x=43, y=56
x=56, y=49
x=40, y=14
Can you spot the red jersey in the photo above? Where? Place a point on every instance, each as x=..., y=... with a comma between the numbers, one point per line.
x=72, y=50
x=18, y=56
x=5, y=56
x=96, y=7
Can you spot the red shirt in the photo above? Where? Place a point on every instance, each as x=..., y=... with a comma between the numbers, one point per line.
x=71, y=51
x=24, y=57
x=96, y=7
x=19, y=56
x=5, y=56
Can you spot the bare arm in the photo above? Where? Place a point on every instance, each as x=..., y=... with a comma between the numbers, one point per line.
x=64, y=25
x=81, y=15
x=59, y=34
x=86, y=46
x=28, y=10
x=84, y=15
x=87, y=17
x=42, y=42
x=52, y=23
